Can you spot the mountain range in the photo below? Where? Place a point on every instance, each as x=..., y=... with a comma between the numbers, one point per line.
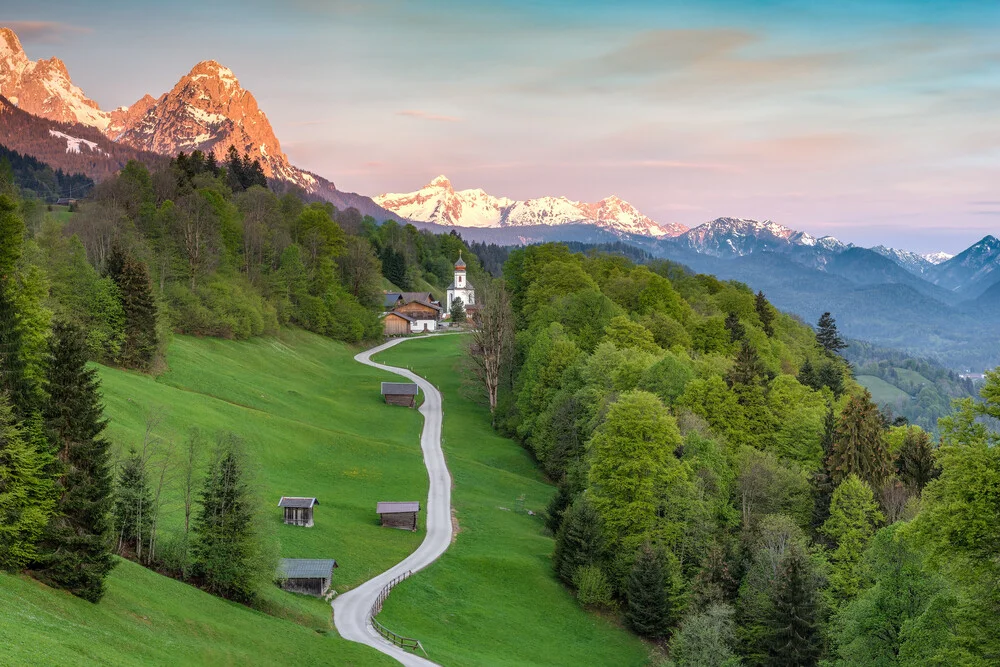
x=935, y=304
x=207, y=110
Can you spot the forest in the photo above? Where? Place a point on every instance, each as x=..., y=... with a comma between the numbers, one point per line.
x=725, y=487
x=194, y=247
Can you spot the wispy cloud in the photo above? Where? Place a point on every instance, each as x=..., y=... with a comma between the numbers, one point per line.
x=42, y=31
x=426, y=115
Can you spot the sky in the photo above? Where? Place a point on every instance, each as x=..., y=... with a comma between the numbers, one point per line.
x=875, y=121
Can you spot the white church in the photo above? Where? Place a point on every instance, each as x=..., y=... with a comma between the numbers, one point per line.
x=460, y=287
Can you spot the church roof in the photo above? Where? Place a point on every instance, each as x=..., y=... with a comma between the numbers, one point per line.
x=468, y=286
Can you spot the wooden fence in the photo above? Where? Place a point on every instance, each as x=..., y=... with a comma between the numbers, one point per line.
x=405, y=643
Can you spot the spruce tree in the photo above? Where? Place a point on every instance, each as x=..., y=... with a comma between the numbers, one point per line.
x=76, y=551
x=26, y=493
x=915, y=464
x=831, y=375
x=579, y=541
x=748, y=370
x=822, y=480
x=457, y=311
x=133, y=507
x=793, y=637
x=132, y=278
x=225, y=548
x=765, y=313
x=737, y=331
x=807, y=376
x=827, y=335
x=648, y=607
x=859, y=443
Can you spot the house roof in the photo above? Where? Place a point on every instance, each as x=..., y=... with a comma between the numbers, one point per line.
x=395, y=508
x=397, y=388
x=417, y=296
x=399, y=315
x=296, y=501
x=306, y=568
x=391, y=298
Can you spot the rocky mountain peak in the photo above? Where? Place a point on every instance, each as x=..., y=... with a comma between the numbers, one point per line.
x=440, y=182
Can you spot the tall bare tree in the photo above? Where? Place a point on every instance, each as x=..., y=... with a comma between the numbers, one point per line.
x=492, y=338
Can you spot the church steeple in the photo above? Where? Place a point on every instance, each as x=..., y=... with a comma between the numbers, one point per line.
x=460, y=264
x=460, y=272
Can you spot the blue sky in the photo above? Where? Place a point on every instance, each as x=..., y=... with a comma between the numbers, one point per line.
x=872, y=121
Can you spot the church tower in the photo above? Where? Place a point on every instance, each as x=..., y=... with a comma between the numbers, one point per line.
x=460, y=287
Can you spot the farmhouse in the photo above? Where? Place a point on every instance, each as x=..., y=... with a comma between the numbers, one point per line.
x=410, y=312
x=400, y=393
x=398, y=515
x=397, y=324
x=298, y=511
x=306, y=575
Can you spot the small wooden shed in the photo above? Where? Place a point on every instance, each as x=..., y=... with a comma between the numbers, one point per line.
x=400, y=393
x=398, y=515
x=298, y=511
x=396, y=324
x=311, y=576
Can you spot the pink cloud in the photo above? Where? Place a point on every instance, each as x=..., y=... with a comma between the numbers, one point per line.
x=42, y=31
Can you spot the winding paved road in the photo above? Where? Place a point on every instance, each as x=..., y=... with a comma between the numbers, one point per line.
x=350, y=610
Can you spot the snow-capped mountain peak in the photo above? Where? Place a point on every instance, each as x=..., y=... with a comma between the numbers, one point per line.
x=728, y=237
x=439, y=203
x=937, y=257
x=911, y=261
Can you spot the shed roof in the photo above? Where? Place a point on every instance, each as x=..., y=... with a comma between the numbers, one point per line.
x=396, y=508
x=399, y=388
x=296, y=501
x=306, y=568
x=402, y=316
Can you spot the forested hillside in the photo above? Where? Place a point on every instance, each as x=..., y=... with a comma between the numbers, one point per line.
x=725, y=486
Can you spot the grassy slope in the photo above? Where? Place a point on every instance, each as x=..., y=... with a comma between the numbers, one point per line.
x=492, y=598
x=882, y=391
x=152, y=620
x=315, y=422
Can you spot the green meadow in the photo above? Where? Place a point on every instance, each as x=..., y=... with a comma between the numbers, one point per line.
x=492, y=599
x=315, y=425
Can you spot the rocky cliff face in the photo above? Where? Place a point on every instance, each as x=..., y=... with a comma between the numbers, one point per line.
x=43, y=87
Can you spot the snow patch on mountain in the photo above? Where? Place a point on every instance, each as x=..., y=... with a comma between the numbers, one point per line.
x=911, y=261
x=938, y=257
x=73, y=143
x=439, y=203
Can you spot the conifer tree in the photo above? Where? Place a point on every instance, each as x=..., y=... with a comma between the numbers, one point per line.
x=226, y=549
x=827, y=335
x=648, y=607
x=457, y=311
x=737, y=331
x=132, y=278
x=748, y=370
x=26, y=493
x=794, y=638
x=822, y=480
x=915, y=463
x=765, y=312
x=75, y=552
x=133, y=507
x=830, y=375
x=859, y=443
x=807, y=376
x=579, y=542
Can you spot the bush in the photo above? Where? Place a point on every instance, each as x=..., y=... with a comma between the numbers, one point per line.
x=592, y=587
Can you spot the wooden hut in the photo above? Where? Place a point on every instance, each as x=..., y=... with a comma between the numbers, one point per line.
x=400, y=393
x=396, y=324
x=398, y=515
x=311, y=576
x=420, y=310
x=298, y=511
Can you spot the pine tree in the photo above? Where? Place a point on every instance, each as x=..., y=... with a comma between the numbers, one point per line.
x=133, y=507
x=737, y=331
x=457, y=311
x=827, y=336
x=748, y=370
x=915, y=464
x=75, y=552
x=807, y=376
x=830, y=375
x=794, y=638
x=132, y=278
x=648, y=608
x=225, y=548
x=859, y=443
x=26, y=493
x=765, y=312
x=579, y=541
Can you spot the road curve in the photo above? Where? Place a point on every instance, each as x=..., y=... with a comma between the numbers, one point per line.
x=350, y=610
